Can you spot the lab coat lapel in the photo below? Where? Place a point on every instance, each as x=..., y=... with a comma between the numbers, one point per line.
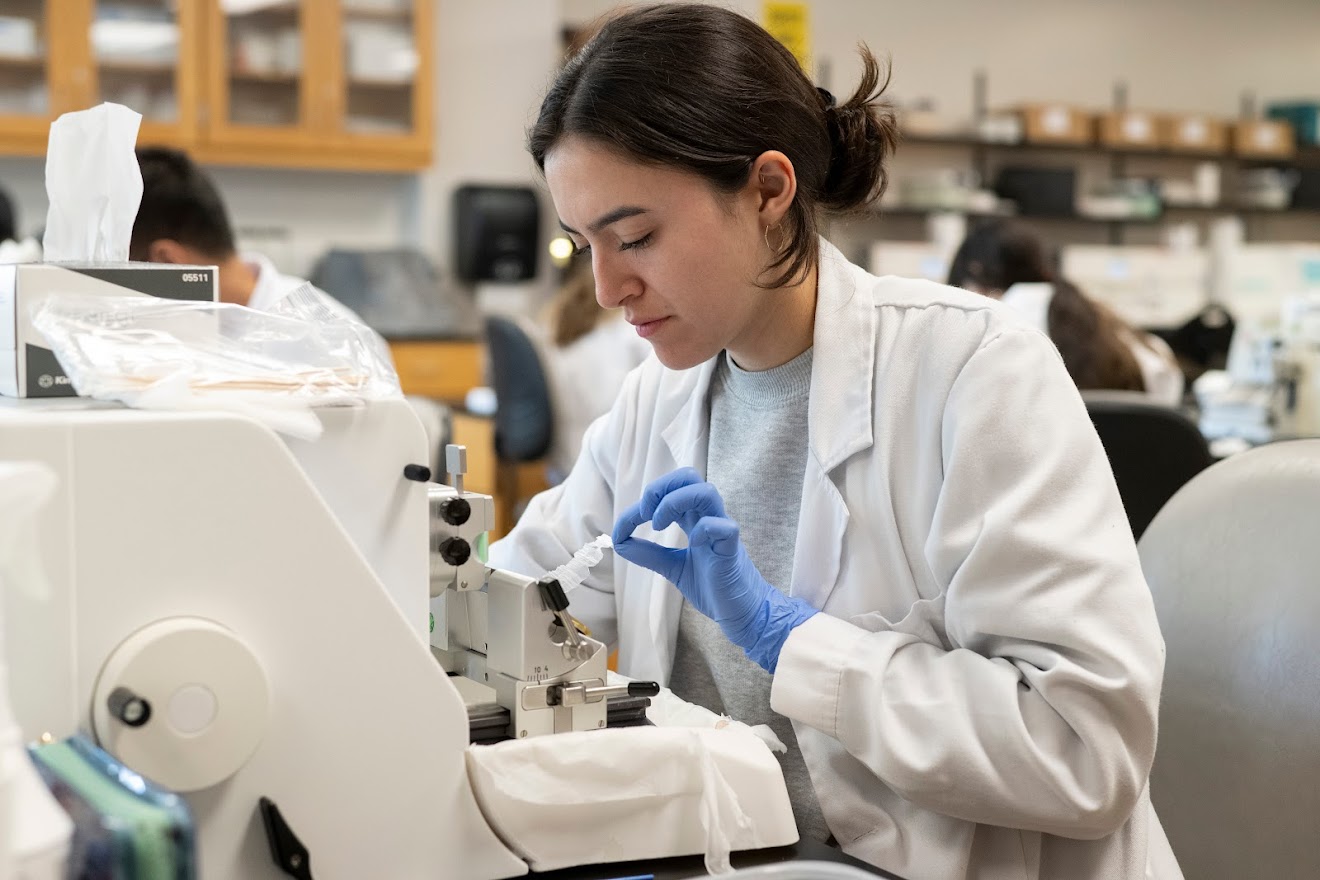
x=840, y=418
x=686, y=436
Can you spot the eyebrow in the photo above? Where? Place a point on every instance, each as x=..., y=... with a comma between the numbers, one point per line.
x=621, y=213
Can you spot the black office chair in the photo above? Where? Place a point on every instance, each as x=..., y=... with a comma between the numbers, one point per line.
x=524, y=418
x=1153, y=450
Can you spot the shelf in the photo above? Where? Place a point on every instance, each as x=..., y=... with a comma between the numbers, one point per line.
x=400, y=14
x=23, y=62
x=1308, y=156
x=282, y=11
x=922, y=213
x=278, y=79
x=380, y=83
x=138, y=68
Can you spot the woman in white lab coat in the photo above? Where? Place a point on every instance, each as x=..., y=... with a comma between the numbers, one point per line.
x=961, y=637
x=1006, y=260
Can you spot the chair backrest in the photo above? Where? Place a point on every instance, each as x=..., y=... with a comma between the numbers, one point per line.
x=1233, y=562
x=524, y=419
x=1153, y=450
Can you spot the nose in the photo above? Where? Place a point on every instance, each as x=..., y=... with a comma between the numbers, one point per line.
x=615, y=282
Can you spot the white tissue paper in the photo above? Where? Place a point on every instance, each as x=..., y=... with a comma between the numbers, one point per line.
x=632, y=793
x=572, y=573
x=94, y=185
x=669, y=710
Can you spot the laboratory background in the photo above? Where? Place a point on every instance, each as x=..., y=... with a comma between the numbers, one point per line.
x=1153, y=166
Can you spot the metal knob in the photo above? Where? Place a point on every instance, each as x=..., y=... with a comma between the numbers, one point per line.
x=128, y=707
x=455, y=551
x=455, y=511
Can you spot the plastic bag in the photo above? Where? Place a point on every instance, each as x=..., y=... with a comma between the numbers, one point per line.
x=164, y=354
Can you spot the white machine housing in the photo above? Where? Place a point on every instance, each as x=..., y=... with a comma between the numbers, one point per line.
x=266, y=598
x=307, y=560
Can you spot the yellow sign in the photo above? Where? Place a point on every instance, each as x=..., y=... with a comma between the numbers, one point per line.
x=790, y=24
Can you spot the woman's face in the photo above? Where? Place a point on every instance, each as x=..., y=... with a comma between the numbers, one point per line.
x=680, y=259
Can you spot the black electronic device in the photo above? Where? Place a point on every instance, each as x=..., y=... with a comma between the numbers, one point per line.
x=1039, y=192
x=497, y=233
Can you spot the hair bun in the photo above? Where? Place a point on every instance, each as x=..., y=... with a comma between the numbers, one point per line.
x=863, y=134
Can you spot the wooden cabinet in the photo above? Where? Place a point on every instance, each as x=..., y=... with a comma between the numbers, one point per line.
x=293, y=83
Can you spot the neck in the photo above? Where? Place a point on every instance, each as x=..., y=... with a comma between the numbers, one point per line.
x=782, y=330
x=237, y=280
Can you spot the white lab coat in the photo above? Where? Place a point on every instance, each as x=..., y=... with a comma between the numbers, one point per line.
x=979, y=697
x=1160, y=372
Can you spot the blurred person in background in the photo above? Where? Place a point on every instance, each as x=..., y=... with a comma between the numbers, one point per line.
x=12, y=248
x=1007, y=261
x=588, y=353
x=183, y=220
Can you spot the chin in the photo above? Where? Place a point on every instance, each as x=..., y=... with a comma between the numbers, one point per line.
x=681, y=360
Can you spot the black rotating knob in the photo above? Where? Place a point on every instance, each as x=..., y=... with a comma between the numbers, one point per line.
x=455, y=551
x=455, y=511
x=128, y=707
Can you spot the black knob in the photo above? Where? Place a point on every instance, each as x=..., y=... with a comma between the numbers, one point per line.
x=455, y=551
x=128, y=707
x=643, y=688
x=455, y=511
x=418, y=473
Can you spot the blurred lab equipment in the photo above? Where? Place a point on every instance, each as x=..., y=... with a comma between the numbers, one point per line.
x=397, y=292
x=1268, y=189
x=215, y=570
x=1271, y=387
x=1149, y=287
x=1153, y=449
x=1231, y=561
x=1038, y=191
x=496, y=233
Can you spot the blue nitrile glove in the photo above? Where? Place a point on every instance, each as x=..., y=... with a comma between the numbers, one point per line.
x=713, y=572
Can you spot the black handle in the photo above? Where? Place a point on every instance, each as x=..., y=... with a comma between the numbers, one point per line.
x=553, y=594
x=128, y=707
x=643, y=688
x=288, y=852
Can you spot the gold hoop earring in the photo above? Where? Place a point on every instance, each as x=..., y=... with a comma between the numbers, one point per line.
x=768, y=245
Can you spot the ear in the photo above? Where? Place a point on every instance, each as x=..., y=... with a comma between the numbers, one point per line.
x=167, y=250
x=774, y=182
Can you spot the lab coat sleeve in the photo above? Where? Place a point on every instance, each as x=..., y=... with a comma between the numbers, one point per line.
x=1038, y=711
x=562, y=519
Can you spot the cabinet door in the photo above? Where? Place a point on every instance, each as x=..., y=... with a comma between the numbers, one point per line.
x=142, y=56
x=260, y=68
x=382, y=105
x=37, y=72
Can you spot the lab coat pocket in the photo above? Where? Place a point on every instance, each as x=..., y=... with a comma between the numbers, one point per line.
x=924, y=620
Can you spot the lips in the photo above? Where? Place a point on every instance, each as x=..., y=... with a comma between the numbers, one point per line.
x=647, y=328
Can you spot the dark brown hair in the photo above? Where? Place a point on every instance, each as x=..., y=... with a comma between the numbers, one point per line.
x=707, y=90
x=574, y=311
x=1091, y=338
x=179, y=202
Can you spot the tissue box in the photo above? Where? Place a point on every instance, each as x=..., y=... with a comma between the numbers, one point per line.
x=27, y=367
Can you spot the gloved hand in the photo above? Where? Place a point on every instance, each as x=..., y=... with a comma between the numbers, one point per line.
x=713, y=572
